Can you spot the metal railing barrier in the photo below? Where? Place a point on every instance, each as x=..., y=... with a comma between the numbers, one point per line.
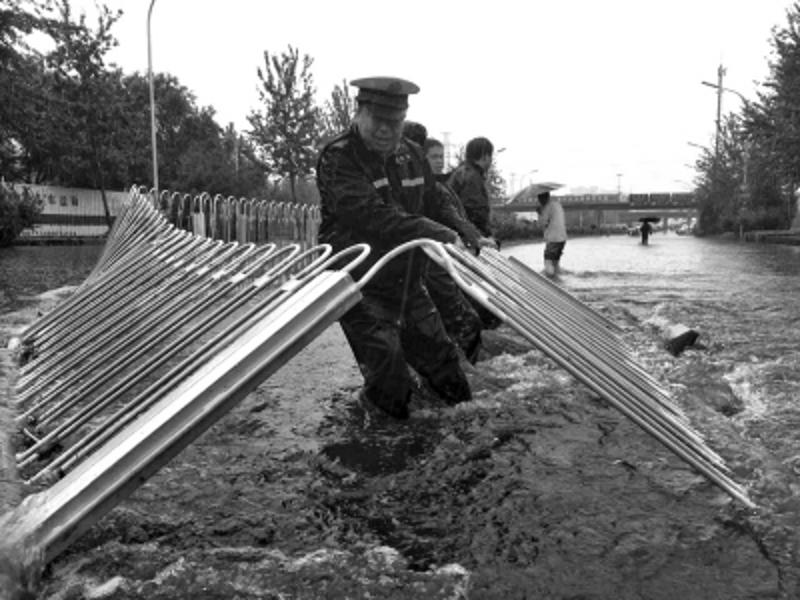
x=244, y=220
x=169, y=331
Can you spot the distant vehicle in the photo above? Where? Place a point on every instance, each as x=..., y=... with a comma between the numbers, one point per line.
x=615, y=228
x=634, y=229
x=683, y=229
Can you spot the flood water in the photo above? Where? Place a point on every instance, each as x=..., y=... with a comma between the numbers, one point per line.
x=26, y=271
x=294, y=466
x=742, y=298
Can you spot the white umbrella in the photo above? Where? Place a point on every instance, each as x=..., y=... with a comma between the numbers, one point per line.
x=529, y=192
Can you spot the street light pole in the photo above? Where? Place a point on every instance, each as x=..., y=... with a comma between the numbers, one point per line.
x=727, y=89
x=447, y=152
x=719, y=88
x=152, y=102
x=746, y=150
x=720, y=75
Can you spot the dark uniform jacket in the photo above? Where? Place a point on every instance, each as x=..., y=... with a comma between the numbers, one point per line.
x=383, y=202
x=469, y=182
x=469, y=233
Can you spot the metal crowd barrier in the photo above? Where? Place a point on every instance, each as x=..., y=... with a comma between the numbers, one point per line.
x=168, y=332
x=173, y=328
x=240, y=219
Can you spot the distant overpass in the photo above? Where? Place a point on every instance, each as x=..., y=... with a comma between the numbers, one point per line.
x=664, y=203
x=588, y=212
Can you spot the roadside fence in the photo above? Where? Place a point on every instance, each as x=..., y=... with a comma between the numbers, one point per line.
x=243, y=220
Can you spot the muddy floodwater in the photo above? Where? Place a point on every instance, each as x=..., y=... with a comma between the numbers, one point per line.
x=536, y=489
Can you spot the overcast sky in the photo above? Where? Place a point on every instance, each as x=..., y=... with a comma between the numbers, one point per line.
x=589, y=93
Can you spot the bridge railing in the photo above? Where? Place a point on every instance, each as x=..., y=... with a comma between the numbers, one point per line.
x=669, y=200
x=589, y=199
x=662, y=200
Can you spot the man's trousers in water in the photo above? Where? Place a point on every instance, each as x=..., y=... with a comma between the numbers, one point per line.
x=388, y=331
x=461, y=320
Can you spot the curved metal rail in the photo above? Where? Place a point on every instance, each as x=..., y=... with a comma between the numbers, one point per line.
x=582, y=342
x=167, y=334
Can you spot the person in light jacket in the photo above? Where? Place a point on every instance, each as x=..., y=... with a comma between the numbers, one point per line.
x=551, y=219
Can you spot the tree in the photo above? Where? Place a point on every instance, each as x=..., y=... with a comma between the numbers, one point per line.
x=784, y=86
x=750, y=183
x=81, y=78
x=17, y=211
x=22, y=88
x=287, y=130
x=762, y=202
x=338, y=111
x=770, y=138
x=249, y=174
x=721, y=179
x=57, y=116
x=496, y=184
x=69, y=118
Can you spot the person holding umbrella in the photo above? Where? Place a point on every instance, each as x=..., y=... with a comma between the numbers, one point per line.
x=551, y=219
x=646, y=229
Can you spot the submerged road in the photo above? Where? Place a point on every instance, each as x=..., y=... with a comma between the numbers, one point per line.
x=536, y=488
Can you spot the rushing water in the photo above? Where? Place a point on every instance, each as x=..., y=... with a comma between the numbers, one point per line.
x=741, y=298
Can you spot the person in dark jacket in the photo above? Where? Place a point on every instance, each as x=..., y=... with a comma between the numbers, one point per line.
x=416, y=132
x=377, y=188
x=462, y=320
x=469, y=182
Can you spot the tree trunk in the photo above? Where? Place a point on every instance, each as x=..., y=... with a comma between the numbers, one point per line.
x=105, y=206
x=103, y=194
x=102, y=181
x=796, y=200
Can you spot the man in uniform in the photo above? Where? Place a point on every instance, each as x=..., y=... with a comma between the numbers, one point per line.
x=377, y=188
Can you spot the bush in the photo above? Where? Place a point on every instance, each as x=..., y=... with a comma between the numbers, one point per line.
x=17, y=211
x=305, y=191
x=506, y=226
x=765, y=217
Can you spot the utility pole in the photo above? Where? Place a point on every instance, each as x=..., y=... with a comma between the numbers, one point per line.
x=720, y=75
x=152, y=104
x=619, y=185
